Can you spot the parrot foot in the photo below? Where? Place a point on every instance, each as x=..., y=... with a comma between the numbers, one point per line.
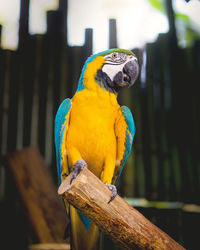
x=114, y=191
x=77, y=167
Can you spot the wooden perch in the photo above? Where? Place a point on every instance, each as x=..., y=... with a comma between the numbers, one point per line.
x=38, y=193
x=118, y=219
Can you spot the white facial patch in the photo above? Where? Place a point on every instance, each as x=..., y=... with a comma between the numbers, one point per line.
x=111, y=69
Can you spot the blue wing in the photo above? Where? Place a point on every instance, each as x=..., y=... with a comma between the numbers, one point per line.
x=61, y=125
x=130, y=133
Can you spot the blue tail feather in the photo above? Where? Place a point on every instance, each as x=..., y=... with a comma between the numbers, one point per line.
x=85, y=221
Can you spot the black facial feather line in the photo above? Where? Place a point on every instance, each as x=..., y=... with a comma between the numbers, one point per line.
x=105, y=82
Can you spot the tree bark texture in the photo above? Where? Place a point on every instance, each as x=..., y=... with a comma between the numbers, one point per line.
x=38, y=194
x=118, y=219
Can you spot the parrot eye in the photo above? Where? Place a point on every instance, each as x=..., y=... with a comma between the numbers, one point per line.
x=114, y=55
x=116, y=58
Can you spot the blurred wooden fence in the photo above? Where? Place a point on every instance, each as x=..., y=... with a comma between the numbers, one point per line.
x=165, y=162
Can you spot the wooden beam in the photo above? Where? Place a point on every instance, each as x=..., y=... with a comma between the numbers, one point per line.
x=112, y=33
x=118, y=219
x=88, y=46
x=0, y=34
x=42, y=206
x=49, y=246
x=23, y=23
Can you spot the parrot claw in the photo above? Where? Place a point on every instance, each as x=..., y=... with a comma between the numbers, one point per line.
x=114, y=191
x=77, y=167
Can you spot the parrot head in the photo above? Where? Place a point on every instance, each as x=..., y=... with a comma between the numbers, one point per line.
x=111, y=70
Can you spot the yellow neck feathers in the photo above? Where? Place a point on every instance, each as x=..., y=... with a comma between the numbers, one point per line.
x=90, y=82
x=91, y=71
x=93, y=66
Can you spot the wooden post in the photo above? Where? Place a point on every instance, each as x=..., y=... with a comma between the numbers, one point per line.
x=43, y=209
x=112, y=33
x=88, y=46
x=171, y=21
x=14, y=86
x=0, y=34
x=23, y=22
x=118, y=219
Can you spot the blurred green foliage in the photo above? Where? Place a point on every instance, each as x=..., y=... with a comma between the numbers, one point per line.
x=158, y=5
x=186, y=31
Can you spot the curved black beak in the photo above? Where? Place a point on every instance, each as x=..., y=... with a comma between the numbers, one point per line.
x=130, y=72
x=128, y=75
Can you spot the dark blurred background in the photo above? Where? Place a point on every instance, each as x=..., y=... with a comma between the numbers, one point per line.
x=162, y=175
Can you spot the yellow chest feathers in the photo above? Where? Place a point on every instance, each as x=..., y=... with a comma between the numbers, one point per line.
x=92, y=115
x=91, y=129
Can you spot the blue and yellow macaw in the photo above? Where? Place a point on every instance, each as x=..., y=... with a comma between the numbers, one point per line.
x=92, y=130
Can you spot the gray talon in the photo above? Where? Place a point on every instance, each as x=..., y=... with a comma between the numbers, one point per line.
x=77, y=167
x=114, y=191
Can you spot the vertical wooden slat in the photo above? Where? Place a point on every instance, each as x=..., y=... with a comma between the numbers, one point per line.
x=88, y=45
x=146, y=142
x=76, y=66
x=63, y=8
x=184, y=139
x=170, y=167
x=27, y=54
x=56, y=47
x=147, y=82
x=112, y=33
x=13, y=102
x=39, y=49
x=43, y=81
x=5, y=101
x=161, y=120
x=57, y=34
x=65, y=76
x=70, y=68
x=137, y=144
x=190, y=144
x=181, y=95
x=195, y=76
x=148, y=112
x=153, y=111
x=23, y=22
x=140, y=185
x=0, y=34
x=171, y=21
x=2, y=88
